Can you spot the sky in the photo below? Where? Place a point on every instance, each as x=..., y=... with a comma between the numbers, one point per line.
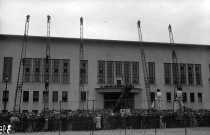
x=110, y=19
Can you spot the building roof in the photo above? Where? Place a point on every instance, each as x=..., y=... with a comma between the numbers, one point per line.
x=7, y=36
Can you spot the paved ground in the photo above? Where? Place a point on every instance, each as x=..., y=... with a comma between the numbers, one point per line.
x=172, y=131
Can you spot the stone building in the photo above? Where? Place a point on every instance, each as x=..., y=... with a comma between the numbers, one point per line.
x=109, y=64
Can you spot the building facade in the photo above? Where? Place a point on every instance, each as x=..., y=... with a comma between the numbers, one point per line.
x=108, y=65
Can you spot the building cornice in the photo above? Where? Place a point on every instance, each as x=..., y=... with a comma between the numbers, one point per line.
x=7, y=36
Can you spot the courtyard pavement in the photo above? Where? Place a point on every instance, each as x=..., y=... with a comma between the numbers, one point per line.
x=170, y=131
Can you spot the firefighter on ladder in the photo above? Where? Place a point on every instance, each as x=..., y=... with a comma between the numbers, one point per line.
x=178, y=101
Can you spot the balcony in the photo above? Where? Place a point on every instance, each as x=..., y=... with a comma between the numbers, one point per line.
x=115, y=89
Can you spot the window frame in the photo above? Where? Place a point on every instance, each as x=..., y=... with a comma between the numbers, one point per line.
x=127, y=72
x=83, y=95
x=28, y=66
x=25, y=96
x=110, y=72
x=167, y=71
x=198, y=75
x=65, y=73
x=84, y=71
x=175, y=72
x=184, y=95
x=192, y=97
x=135, y=72
x=151, y=71
x=152, y=96
x=191, y=71
x=200, y=97
x=101, y=71
x=183, y=73
x=56, y=70
x=168, y=97
x=55, y=96
x=24, y=111
x=35, y=96
x=7, y=69
x=118, y=69
x=7, y=96
x=64, y=93
x=37, y=75
x=44, y=74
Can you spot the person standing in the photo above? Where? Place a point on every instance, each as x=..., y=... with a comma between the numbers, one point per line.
x=158, y=100
x=46, y=124
x=98, y=122
x=29, y=118
x=179, y=104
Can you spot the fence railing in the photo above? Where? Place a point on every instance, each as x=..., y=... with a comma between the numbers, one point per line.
x=58, y=122
x=110, y=104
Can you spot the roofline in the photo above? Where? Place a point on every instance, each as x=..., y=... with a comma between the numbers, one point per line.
x=102, y=40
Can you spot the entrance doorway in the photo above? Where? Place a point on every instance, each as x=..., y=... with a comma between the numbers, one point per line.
x=110, y=100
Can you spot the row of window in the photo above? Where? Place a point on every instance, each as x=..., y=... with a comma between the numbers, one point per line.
x=36, y=96
x=59, y=71
x=126, y=70
x=83, y=96
x=192, y=97
x=190, y=74
x=35, y=70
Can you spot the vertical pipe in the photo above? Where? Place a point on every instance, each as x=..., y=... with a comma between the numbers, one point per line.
x=93, y=105
x=87, y=98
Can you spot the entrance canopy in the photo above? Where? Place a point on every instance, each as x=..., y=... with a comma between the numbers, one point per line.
x=108, y=89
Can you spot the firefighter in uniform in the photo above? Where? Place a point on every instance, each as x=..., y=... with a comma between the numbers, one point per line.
x=179, y=104
x=158, y=100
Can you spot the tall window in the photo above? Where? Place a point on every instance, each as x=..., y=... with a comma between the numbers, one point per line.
x=45, y=95
x=28, y=68
x=84, y=70
x=110, y=72
x=46, y=70
x=101, y=71
x=192, y=97
x=183, y=73
x=167, y=69
x=83, y=95
x=35, y=96
x=190, y=74
x=25, y=96
x=7, y=70
x=5, y=96
x=55, y=96
x=200, y=98
x=151, y=66
x=56, y=70
x=198, y=74
x=64, y=96
x=118, y=68
x=175, y=70
x=168, y=96
x=135, y=72
x=127, y=72
x=37, y=70
x=65, y=74
x=184, y=97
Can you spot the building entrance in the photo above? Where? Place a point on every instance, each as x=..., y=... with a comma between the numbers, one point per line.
x=110, y=100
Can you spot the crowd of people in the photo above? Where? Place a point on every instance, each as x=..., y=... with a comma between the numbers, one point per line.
x=105, y=120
